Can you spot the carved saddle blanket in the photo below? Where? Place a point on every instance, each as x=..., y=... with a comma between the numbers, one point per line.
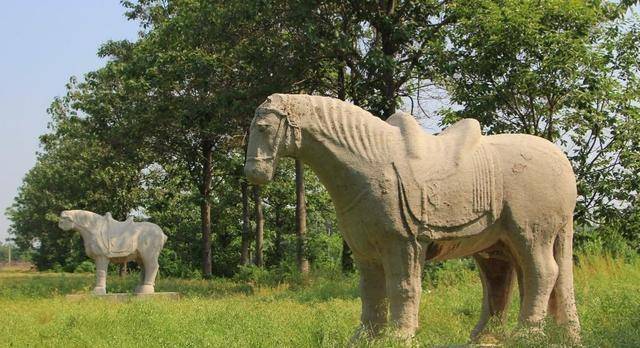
x=116, y=238
x=449, y=185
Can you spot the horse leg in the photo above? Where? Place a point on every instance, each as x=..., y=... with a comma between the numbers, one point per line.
x=150, y=265
x=532, y=246
x=102, y=263
x=497, y=277
x=141, y=281
x=403, y=271
x=562, y=304
x=373, y=297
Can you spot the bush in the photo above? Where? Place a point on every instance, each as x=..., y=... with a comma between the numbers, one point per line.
x=85, y=267
x=603, y=241
x=448, y=272
x=254, y=275
x=172, y=266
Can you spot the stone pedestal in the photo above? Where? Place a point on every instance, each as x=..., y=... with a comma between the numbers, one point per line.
x=123, y=297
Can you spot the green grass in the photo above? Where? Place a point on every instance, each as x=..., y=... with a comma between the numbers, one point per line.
x=322, y=313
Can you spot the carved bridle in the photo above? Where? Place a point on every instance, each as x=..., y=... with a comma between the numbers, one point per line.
x=291, y=134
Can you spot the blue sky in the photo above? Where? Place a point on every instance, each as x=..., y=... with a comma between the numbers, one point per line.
x=43, y=43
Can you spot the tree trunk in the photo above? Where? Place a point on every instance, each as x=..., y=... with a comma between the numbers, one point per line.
x=122, y=271
x=246, y=225
x=301, y=220
x=346, y=260
x=257, y=201
x=205, y=206
x=278, y=242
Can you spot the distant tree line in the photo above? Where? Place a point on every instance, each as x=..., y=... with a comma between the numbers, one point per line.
x=160, y=131
x=11, y=253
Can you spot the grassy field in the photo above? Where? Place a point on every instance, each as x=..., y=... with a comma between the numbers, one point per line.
x=322, y=313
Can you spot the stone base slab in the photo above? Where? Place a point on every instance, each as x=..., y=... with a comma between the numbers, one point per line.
x=123, y=297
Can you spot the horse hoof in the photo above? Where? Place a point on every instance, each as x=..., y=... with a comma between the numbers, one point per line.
x=99, y=291
x=145, y=289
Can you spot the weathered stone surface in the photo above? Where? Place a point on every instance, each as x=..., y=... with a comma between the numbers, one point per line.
x=106, y=239
x=403, y=196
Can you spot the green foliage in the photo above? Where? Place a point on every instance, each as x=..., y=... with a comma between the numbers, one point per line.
x=75, y=171
x=447, y=273
x=513, y=65
x=7, y=249
x=323, y=240
x=392, y=48
x=186, y=91
x=562, y=70
x=257, y=275
x=85, y=267
x=604, y=240
x=173, y=266
x=159, y=131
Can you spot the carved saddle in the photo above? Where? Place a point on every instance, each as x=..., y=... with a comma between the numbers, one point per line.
x=118, y=238
x=449, y=184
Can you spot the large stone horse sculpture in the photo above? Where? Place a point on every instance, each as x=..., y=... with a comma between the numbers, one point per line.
x=106, y=239
x=403, y=196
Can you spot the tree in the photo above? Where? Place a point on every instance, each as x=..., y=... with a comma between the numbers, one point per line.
x=9, y=252
x=259, y=232
x=193, y=81
x=178, y=75
x=559, y=70
x=514, y=66
x=74, y=170
x=371, y=53
x=301, y=220
x=246, y=225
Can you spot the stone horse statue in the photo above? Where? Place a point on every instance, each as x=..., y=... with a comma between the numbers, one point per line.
x=403, y=196
x=106, y=239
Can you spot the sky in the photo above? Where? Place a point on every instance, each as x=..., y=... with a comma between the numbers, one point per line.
x=42, y=44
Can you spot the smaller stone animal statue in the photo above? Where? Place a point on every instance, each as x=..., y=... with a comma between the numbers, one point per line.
x=106, y=239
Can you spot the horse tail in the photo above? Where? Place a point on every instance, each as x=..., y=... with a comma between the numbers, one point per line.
x=164, y=236
x=155, y=229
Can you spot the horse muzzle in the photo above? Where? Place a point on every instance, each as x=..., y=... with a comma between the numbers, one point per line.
x=258, y=171
x=65, y=225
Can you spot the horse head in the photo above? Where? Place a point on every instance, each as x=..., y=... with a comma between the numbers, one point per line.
x=79, y=219
x=67, y=220
x=274, y=133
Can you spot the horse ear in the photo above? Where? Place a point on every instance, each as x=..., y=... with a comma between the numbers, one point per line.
x=274, y=99
x=278, y=101
x=66, y=214
x=264, y=104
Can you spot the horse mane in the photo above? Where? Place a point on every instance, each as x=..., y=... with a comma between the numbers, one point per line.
x=341, y=122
